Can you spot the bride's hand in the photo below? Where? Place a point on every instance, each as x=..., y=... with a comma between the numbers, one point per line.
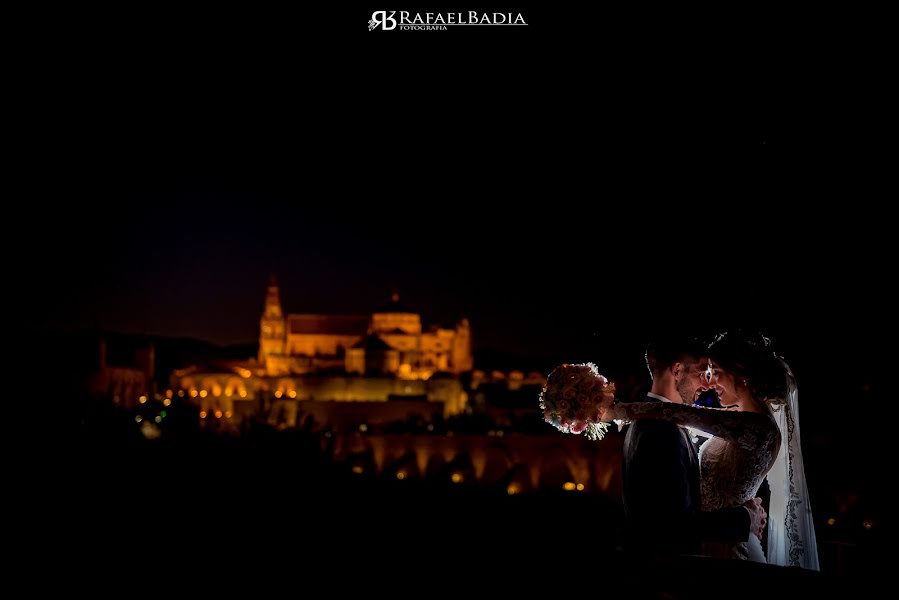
x=607, y=407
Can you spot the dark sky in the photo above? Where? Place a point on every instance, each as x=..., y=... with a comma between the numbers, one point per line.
x=535, y=270
x=570, y=187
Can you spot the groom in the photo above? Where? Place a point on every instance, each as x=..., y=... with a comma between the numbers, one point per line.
x=661, y=467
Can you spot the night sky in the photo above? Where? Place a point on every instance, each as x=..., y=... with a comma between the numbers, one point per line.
x=190, y=257
x=571, y=187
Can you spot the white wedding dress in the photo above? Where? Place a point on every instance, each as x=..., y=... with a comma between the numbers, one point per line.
x=731, y=473
x=733, y=463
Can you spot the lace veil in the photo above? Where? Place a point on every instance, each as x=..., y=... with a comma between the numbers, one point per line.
x=791, y=530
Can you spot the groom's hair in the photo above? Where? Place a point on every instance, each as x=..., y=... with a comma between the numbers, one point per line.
x=665, y=351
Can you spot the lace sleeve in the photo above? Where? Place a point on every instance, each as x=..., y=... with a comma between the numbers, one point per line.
x=749, y=430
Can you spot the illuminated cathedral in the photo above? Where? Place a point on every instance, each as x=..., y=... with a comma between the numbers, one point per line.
x=315, y=360
x=390, y=341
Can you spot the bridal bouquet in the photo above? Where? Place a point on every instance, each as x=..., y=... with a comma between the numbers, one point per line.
x=574, y=398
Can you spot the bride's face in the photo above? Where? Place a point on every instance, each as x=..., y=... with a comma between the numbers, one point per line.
x=732, y=395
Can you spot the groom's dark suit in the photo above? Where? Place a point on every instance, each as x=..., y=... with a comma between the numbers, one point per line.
x=661, y=493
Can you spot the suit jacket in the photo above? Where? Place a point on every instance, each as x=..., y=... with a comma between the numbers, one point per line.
x=662, y=495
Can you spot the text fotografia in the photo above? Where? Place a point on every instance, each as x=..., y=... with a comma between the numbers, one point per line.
x=406, y=21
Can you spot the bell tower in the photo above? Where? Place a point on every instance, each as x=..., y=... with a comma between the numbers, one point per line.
x=462, y=358
x=271, y=325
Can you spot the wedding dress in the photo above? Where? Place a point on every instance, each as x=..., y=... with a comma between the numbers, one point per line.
x=743, y=449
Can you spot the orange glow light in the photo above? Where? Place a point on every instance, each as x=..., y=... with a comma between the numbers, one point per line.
x=228, y=414
x=193, y=393
x=167, y=402
x=457, y=478
x=203, y=393
x=218, y=414
x=202, y=414
x=569, y=486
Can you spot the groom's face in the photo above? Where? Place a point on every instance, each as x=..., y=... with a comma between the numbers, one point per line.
x=693, y=379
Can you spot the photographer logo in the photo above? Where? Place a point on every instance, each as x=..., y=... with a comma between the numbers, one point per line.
x=403, y=20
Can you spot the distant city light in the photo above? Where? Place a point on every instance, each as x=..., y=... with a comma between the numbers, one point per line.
x=363, y=428
x=292, y=393
x=193, y=393
x=203, y=393
x=457, y=478
x=400, y=475
x=202, y=414
x=430, y=427
x=357, y=470
x=500, y=433
x=831, y=521
x=150, y=431
x=142, y=399
x=228, y=414
x=138, y=418
x=278, y=394
x=513, y=489
x=181, y=393
x=166, y=402
x=867, y=524
x=580, y=487
x=218, y=414
x=168, y=393
x=569, y=486
x=243, y=393
x=158, y=419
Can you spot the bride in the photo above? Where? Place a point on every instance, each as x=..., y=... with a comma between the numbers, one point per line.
x=754, y=435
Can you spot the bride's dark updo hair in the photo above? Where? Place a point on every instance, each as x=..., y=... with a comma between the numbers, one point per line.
x=750, y=357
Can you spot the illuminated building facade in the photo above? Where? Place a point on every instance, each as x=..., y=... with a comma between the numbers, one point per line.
x=315, y=358
x=390, y=341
